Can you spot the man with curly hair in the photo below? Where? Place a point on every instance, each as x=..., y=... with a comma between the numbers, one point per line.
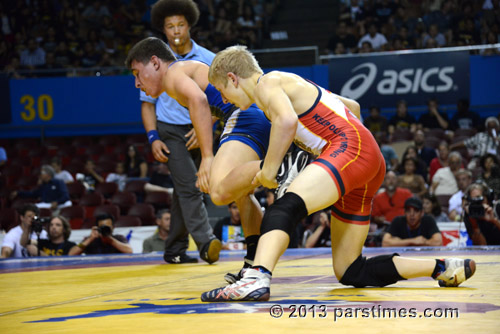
x=173, y=140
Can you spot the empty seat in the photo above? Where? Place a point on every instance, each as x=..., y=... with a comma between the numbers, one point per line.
x=435, y=133
x=90, y=201
x=75, y=214
x=401, y=135
x=144, y=211
x=465, y=132
x=110, y=209
x=137, y=187
x=27, y=182
x=45, y=212
x=127, y=221
x=9, y=218
x=124, y=200
x=76, y=190
x=107, y=189
x=158, y=199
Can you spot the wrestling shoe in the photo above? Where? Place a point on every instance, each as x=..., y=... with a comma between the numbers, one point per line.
x=233, y=278
x=254, y=286
x=178, y=259
x=293, y=163
x=210, y=251
x=456, y=272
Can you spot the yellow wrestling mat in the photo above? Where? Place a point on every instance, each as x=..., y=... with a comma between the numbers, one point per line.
x=141, y=294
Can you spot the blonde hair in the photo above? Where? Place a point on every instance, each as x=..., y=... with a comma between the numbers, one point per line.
x=236, y=59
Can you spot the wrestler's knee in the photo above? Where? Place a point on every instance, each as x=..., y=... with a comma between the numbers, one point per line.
x=219, y=196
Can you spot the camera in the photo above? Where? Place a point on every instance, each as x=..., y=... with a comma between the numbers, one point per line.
x=37, y=224
x=476, y=208
x=105, y=230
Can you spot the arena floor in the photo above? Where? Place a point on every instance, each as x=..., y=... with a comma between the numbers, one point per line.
x=141, y=294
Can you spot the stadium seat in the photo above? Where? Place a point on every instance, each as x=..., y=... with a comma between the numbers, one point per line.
x=9, y=218
x=435, y=133
x=45, y=212
x=443, y=200
x=124, y=200
x=158, y=199
x=90, y=201
x=75, y=215
x=128, y=221
x=136, y=187
x=111, y=209
x=465, y=132
x=76, y=190
x=107, y=189
x=401, y=135
x=144, y=211
x=27, y=182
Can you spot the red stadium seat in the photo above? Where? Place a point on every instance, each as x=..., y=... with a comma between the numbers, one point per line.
x=90, y=201
x=75, y=214
x=124, y=200
x=107, y=189
x=128, y=221
x=9, y=218
x=111, y=209
x=158, y=199
x=144, y=211
x=76, y=190
x=136, y=187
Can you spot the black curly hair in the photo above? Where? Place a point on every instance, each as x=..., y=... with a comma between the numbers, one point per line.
x=164, y=8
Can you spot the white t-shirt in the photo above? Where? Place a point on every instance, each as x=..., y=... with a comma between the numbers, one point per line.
x=12, y=240
x=447, y=184
x=65, y=176
x=455, y=202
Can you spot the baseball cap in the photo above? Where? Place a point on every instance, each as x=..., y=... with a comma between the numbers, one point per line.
x=414, y=203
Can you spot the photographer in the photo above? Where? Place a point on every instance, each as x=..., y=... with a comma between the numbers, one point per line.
x=102, y=240
x=483, y=225
x=56, y=245
x=11, y=246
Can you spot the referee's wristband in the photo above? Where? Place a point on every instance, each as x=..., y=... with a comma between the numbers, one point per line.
x=152, y=136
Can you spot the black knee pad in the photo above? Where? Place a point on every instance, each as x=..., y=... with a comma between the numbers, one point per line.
x=375, y=271
x=284, y=214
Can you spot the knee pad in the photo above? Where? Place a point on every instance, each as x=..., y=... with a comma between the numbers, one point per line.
x=284, y=214
x=375, y=271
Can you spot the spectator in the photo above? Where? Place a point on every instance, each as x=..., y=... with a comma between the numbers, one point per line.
x=389, y=203
x=483, y=142
x=402, y=120
x=229, y=231
x=464, y=180
x=320, y=235
x=11, y=246
x=343, y=35
x=433, y=208
x=51, y=192
x=440, y=161
x=93, y=14
x=411, y=152
x=410, y=180
x=156, y=242
x=33, y=56
x=90, y=178
x=424, y=152
x=480, y=219
x=413, y=229
x=160, y=180
x=57, y=243
x=433, y=118
x=376, y=39
x=444, y=181
x=376, y=122
x=102, y=240
x=390, y=156
x=491, y=172
x=464, y=118
x=62, y=175
x=119, y=176
x=435, y=35
x=135, y=165
x=3, y=156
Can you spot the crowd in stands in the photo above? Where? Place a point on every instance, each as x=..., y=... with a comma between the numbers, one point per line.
x=98, y=34
x=392, y=25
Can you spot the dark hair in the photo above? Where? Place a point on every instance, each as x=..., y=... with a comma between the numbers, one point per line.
x=104, y=216
x=486, y=156
x=143, y=51
x=29, y=207
x=436, y=207
x=161, y=212
x=165, y=8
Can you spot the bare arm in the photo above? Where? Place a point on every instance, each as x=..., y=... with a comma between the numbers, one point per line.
x=144, y=169
x=273, y=100
x=121, y=246
x=6, y=252
x=391, y=241
x=435, y=240
x=352, y=105
x=313, y=238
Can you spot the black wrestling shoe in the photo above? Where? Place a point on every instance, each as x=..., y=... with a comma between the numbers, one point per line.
x=178, y=259
x=293, y=163
x=210, y=251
